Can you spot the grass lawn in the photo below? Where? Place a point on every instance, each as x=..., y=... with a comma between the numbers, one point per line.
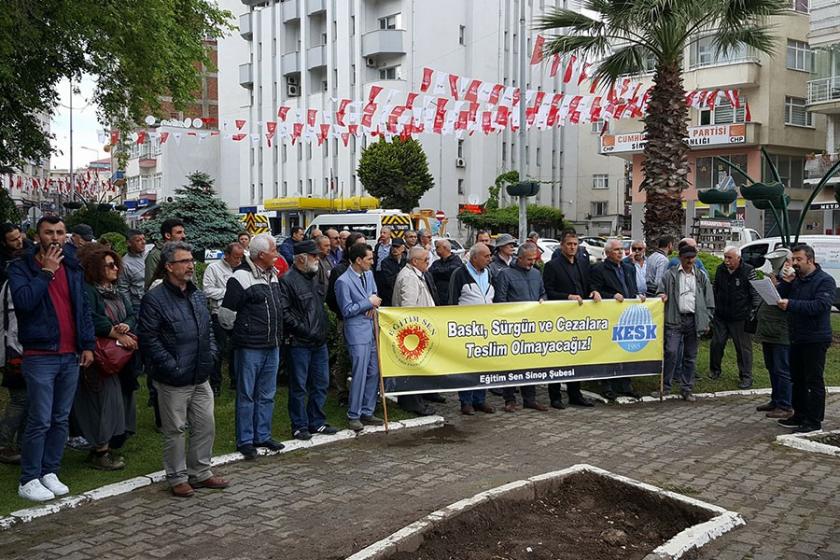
x=144, y=451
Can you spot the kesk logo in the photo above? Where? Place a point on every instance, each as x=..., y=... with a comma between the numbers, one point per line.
x=635, y=328
x=412, y=340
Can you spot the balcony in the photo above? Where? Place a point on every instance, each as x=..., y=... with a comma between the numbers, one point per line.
x=246, y=75
x=824, y=95
x=245, y=26
x=147, y=162
x=729, y=74
x=316, y=57
x=291, y=11
x=817, y=166
x=316, y=7
x=290, y=63
x=383, y=41
x=255, y=2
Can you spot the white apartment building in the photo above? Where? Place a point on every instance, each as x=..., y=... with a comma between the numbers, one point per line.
x=309, y=53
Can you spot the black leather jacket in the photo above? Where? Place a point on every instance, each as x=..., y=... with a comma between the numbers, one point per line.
x=176, y=339
x=304, y=315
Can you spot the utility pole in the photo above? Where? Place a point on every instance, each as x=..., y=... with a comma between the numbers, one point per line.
x=72, y=174
x=521, y=168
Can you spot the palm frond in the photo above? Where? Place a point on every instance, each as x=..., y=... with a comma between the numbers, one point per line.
x=587, y=45
x=736, y=12
x=625, y=60
x=557, y=18
x=760, y=38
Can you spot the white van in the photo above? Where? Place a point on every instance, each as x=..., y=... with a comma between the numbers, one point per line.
x=826, y=251
x=367, y=223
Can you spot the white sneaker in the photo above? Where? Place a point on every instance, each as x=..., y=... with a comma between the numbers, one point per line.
x=51, y=483
x=35, y=491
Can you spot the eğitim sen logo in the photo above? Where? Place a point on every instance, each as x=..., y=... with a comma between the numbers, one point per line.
x=635, y=328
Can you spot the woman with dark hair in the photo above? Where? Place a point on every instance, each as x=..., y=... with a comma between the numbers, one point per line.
x=104, y=408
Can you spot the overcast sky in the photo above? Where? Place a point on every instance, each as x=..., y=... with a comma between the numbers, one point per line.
x=85, y=128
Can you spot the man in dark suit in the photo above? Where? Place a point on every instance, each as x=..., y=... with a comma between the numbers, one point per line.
x=390, y=267
x=615, y=279
x=567, y=278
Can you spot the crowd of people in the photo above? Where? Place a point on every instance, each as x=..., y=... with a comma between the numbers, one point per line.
x=81, y=323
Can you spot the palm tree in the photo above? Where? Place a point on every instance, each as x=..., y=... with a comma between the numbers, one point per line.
x=625, y=35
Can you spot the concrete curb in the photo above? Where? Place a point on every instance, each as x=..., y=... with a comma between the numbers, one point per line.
x=409, y=538
x=719, y=394
x=803, y=443
x=126, y=486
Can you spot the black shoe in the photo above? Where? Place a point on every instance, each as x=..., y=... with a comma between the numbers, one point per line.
x=792, y=422
x=325, y=430
x=558, y=404
x=582, y=401
x=434, y=397
x=249, y=451
x=765, y=407
x=714, y=375
x=427, y=411
x=745, y=384
x=271, y=445
x=302, y=435
x=610, y=395
x=807, y=428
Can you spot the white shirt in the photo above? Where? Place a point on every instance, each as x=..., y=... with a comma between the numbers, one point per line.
x=688, y=290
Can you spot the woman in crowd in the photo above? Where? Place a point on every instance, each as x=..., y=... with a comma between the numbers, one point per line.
x=104, y=408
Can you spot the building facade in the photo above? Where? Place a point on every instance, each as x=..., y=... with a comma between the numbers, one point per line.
x=773, y=114
x=308, y=54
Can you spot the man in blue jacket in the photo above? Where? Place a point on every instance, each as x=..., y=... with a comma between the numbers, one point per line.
x=807, y=294
x=56, y=332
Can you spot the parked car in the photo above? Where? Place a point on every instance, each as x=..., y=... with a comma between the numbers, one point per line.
x=457, y=247
x=594, y=246
x=547, y=246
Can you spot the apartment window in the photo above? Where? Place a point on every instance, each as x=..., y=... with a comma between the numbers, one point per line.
x=710, y=173
x=309, y=186
x=799, y=6
x=504, y=151
x=460, y=186
x=791, y=170
x=799, y=56
x=391, y=22
x=460, y=148
x=598, y=126
x=600, y=181
x=352, y=25
x=283, y=154
x=253, y=189
x=703, y=53
x=795, y=113
x=300, y=151
x=285, y=188
x=323, y=38
x=275, y=193
x=724, y=112
x=539, y=163
x=158, y=147
x=308, y=150
x=352, y=74
x=462, y=34
x=392, y=73
x=300, y=187
x=527, y=154
x=158, y=182
x=324, y=85
x=600, y=208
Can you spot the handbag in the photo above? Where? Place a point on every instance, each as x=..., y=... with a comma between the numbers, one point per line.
x=110, y=358
x=751, y=324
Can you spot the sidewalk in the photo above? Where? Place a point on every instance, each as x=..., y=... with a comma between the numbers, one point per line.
x=330, y=502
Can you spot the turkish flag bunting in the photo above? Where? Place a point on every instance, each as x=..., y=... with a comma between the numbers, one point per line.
x=239, y=137
x=555, y=65
x=311, y=115
x=409, y=100
x=141, y=137
x=271, y=126
x=240, y=123
x=282, y=112
x=495, y=93
x=427, y=79
x=472, y=91
x=374, y=92
x=115, y=137
x=537, y=55
x=164, y=136
x=567, y=75
x=453, y=85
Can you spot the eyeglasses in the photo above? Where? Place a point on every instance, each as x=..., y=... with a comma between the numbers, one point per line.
x=638, y=248
x=183, y=261
x=112, y=265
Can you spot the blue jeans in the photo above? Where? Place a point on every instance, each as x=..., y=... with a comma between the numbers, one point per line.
x=681, y=354
x=309, y=376
x=476, y=397
x=256, y=383
x=777, y=360
x=365, y=381
x=51, y=382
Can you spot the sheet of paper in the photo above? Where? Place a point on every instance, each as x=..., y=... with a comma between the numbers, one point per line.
x=766, y=290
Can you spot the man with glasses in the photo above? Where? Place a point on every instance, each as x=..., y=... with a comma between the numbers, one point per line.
x=639, y=262
x=252, y=310
x=335, y=254
x=177, y=343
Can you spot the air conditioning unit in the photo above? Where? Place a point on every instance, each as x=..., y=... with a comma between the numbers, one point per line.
x=292, y=90
x=459, y=162
x=292, y=80
x=370, y=62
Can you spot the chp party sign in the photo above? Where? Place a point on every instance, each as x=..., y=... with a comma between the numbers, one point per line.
x=455, y=348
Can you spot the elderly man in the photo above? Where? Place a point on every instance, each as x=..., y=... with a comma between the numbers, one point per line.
x=505, y=248
x=322, y=243
x=424, y=239
x=410, y=238
x=698, y=264
x=689, y=305
x=253, y=309
x=615, y=279
x=411, y=289
x=470, y=285
x=382, y=248
x=657, y=263
x=132, y=278
x=215, y=285
x=807, y=296
x=639, y=262
x=567, y=279
x=170, y=230
x=343, y=235
x=306, y=324
x=443, y=269
x=390, y=268
x=335, y=255
x=521, y=282
x=177, y=343
x=735, y=300
x=287, y=248
x=81, y=235
x=355, y=291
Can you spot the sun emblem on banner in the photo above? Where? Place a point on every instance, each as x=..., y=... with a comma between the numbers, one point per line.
x=412, y=340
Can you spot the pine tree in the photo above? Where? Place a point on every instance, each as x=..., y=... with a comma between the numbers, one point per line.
x=208, y=221
x=395, y=172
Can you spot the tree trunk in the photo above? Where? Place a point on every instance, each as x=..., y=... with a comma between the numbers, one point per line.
x=666, y=163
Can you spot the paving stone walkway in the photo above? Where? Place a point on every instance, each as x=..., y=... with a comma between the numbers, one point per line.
x=332, y=501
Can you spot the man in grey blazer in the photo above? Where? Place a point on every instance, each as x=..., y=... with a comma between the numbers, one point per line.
x=355, y=292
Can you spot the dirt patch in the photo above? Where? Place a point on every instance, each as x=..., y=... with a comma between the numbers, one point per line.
x=585, y=516
x=827, y=439
x=448, y=433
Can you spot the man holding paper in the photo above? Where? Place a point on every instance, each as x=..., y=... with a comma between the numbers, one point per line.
x=807, y=295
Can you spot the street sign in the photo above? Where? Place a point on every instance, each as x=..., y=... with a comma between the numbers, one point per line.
x=440, y=215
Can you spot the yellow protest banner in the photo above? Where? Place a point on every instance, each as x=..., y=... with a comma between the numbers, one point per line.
x=453, y=348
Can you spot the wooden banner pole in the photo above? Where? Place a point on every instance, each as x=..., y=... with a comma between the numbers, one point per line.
x=379, y=364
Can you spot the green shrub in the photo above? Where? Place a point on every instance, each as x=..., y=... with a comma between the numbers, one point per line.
x=198, y=277
x=117, y=240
